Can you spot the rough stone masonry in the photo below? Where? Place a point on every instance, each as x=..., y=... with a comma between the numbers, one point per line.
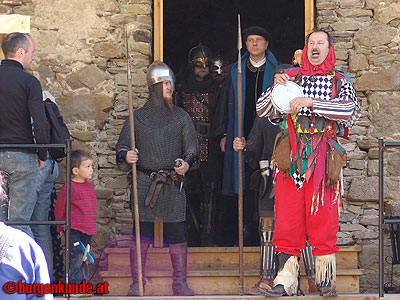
x=81, y=59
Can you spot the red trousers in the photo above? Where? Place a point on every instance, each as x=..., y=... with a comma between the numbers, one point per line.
x=293, y=219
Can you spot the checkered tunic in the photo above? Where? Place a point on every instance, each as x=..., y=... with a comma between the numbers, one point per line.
x=344, y=109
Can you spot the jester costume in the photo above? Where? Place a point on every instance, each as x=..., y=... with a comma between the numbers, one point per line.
x=306, y=201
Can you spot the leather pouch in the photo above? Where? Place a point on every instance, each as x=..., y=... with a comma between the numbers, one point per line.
x=334, y=163
x=282, y=150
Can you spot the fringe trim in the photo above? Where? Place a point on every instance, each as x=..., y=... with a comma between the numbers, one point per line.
x=288, y=276
x=325, y=268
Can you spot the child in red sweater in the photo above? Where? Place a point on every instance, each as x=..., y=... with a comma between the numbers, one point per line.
x=83, y=211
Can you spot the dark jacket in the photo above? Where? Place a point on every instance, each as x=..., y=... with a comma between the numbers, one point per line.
x=21, y=108
x=226, y=113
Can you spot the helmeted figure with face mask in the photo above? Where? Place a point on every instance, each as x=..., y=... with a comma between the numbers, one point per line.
x=198, y=95
x=308, y=178
x=167, y=146
x=218, y=68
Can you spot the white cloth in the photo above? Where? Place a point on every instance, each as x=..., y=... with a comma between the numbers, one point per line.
x=48, y=95
x=259, y=63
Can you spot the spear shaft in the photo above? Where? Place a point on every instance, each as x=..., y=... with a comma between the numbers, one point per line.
x=135, y=200
x=240, y=158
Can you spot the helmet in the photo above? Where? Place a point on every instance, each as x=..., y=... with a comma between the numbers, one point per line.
x=200, y=56
x=159, y=72
x=218, y=65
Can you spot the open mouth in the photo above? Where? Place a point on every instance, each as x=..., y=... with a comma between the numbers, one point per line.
x=315, y=53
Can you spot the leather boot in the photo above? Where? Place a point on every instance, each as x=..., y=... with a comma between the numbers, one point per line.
x=325, y=275
x=311, y=286
x=178, y=254
x=286, y=281
x=327, y=289
x=144, y=246
x=262, y=284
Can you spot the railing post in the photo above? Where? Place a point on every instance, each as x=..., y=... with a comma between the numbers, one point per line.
x=68, y=211
x=381, y=218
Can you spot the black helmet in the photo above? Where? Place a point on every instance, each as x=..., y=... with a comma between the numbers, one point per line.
x=200, y=56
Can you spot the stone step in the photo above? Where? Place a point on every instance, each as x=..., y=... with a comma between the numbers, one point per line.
x=215, y=282
x=239, y=297
x=214, y=258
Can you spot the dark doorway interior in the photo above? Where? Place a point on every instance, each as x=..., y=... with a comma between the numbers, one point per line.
x=214, y=24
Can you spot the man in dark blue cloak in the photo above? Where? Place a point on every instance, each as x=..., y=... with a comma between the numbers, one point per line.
x=258, y=64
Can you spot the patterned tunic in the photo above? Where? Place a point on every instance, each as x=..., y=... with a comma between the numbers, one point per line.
x=335, y=108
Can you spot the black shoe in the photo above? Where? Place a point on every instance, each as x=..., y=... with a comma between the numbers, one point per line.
x=276, y=291
x=327, y=289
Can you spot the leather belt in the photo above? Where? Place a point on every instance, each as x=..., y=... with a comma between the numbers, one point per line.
x=158, y=178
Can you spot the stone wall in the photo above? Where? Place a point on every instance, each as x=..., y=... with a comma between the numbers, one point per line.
x=81, y=59
x=366, y=35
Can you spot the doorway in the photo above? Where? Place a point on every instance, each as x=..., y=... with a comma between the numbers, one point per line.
x=214, y=24
x=180, y=25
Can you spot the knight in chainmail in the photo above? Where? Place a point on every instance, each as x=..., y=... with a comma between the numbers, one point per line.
x=198, y=95
x=167, y=146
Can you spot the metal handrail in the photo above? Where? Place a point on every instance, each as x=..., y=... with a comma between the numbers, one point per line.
x=67, y=223
x=382, y=221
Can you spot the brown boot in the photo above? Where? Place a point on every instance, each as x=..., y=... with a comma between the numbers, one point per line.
x=286, y=281
x=311, y=287
x=262, y=284
x=325, y=275
x=327, y=289
x=144, y=246
x=178, y=254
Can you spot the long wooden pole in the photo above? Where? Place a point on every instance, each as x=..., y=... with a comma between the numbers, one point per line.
x=135, y=200
x=240, y=158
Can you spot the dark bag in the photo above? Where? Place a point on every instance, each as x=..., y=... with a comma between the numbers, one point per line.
x=282, y=150
x=334, y=163
x=59, y=132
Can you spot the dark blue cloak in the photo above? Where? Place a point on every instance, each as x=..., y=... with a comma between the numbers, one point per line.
x=230, y=176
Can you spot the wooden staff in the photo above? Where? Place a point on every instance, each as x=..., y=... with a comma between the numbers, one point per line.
x=240, y=158
x=135, y=200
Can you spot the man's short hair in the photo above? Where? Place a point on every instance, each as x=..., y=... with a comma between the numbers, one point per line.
x=330, y=40
x=12, y=42
x=77, y=157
